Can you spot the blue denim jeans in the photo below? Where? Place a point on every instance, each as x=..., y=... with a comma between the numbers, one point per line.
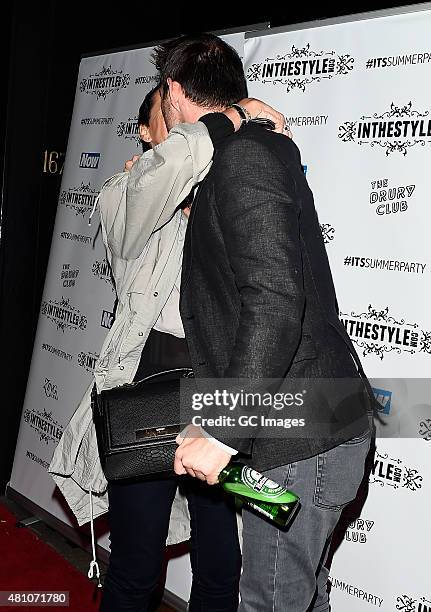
x=284, y=571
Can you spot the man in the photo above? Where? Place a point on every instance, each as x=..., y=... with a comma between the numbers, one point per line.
x=258, y=302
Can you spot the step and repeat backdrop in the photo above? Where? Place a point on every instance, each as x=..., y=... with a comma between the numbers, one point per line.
x=357, y=97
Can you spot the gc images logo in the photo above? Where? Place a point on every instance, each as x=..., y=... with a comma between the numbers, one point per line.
x=300, y=67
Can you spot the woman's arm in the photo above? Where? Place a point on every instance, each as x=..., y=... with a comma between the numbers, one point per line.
x=142, y=201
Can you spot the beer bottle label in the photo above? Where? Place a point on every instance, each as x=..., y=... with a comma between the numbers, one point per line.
x=260, y=483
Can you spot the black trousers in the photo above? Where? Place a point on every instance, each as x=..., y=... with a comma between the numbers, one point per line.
x=139, y=515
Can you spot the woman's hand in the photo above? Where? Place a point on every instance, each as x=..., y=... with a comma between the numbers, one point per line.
x=259, y=109
x=129, y=163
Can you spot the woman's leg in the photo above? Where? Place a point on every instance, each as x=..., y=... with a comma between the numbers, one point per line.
x=214, y=551
x=138, y=520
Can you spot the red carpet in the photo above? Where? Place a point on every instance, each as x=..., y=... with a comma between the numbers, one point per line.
x=27, y=563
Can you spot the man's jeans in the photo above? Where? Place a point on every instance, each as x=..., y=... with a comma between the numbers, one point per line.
x=283, y=571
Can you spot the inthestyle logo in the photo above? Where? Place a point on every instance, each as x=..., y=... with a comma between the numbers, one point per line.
x=389, y=199
x=377, y=333
x=129, y=130
x=393, y=472
x=300, y=67
x=384, y=399
x=407, y=603
x=50, y=389
x=68, y=275
x=328, y=232
x=103, y=83
x=102, y=270
x=107, y=319
x=396, y=130
x=358, y=531
x=44, y=424
x=425, y=430
x=80, y=199
x=64, y=315
x=90, y=161
x=87, y=360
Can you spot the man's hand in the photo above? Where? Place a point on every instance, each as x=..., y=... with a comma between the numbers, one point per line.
x=129, y=163
x=199, y=457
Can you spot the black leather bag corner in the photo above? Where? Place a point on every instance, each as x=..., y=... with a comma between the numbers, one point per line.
x=136, y=426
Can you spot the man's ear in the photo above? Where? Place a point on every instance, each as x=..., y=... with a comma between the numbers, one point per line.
x=144, y=133
x=175, y=93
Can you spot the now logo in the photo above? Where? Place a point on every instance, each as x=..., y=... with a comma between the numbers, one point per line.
x=89, y=160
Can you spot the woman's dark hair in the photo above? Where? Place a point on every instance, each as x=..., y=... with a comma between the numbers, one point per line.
x=209, y=70
x=145, y=108
x=144, y=114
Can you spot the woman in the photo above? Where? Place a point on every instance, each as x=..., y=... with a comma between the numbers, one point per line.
x=143, y=228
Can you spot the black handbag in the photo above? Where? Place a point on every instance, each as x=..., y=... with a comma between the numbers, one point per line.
x=136, y=425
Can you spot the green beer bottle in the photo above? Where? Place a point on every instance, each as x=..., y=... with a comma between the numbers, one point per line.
x=259, y=492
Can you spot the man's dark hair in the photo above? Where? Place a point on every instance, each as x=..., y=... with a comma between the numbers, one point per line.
x=209, y=70
x=145, y=108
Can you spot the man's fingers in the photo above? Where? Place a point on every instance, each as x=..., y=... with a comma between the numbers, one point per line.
x=178, y=464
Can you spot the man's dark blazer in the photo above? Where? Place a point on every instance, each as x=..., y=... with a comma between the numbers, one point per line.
x=257, y=295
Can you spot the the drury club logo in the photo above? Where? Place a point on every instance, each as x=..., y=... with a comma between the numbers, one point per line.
x=89, y=160
x=102, y=270
x=396, y=130
x=407, y=603
x=375, y=332
x=129, y=130
x=392, y=472
x=87, y=360
x=44, y=424
x=105, y=82
x=358, y=530
x=80, y=199
x=389, y=199
x=64, y=315
x=300, y=67
x=69, y=275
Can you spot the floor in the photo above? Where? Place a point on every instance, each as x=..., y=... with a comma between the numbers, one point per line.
x=68, y=550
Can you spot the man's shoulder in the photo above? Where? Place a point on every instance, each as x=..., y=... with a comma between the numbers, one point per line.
x=254, y=140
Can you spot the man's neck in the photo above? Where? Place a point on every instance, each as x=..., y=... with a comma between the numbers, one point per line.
x=194, y=112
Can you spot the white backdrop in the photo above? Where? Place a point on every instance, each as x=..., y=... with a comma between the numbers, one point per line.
x=372, y=193
x=342, y=87
x=78, y=299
